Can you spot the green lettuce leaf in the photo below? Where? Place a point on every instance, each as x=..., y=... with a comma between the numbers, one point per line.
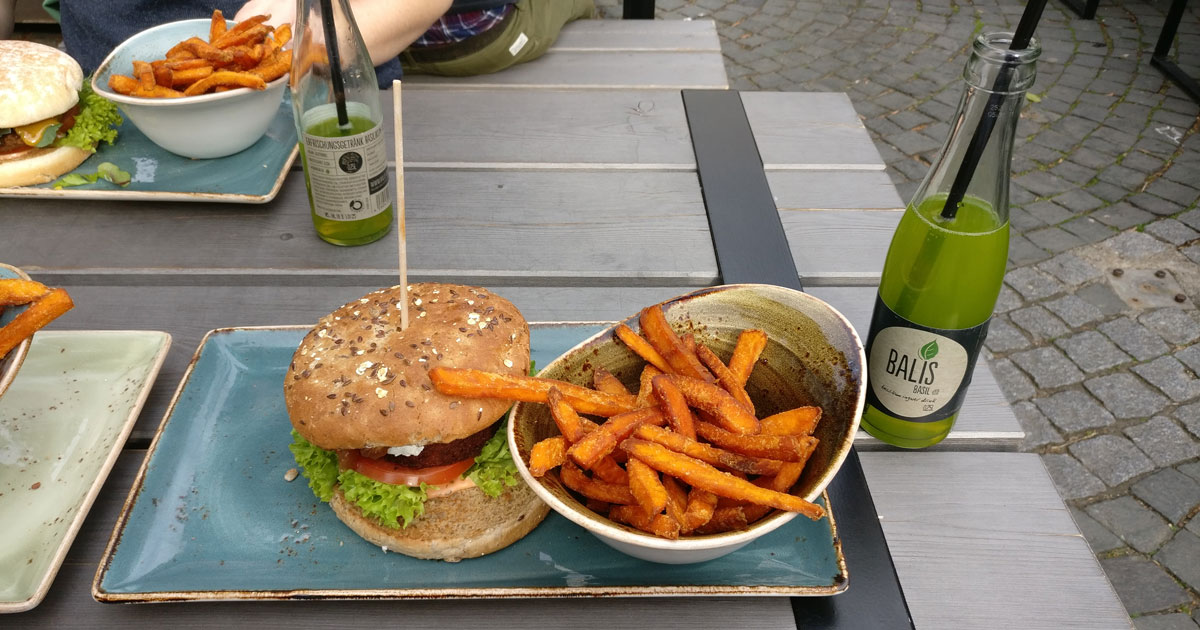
x=494, y=469
x=106, y=171
x=96, y=122
x=387, y=502
x=319, y=466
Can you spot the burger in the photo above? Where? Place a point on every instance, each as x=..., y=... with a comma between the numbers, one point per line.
x=405, y=467
x=50, y=120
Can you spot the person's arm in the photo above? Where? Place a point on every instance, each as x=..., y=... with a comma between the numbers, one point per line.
x=387, y=26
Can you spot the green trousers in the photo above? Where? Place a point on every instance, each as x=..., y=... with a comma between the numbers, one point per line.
x=529, y=30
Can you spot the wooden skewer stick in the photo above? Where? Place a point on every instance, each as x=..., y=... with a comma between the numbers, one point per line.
x=401, y=229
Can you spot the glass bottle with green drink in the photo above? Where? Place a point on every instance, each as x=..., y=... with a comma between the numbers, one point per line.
x=947, y=258
x=339, y=120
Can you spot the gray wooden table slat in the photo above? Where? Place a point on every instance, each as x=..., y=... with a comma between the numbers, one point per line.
x=620, y=69
x=982, y=540
x=639, y=35
x=833, y=190
x=819, y=131
x=839, y=247
x=543, y=227
x=555, y=129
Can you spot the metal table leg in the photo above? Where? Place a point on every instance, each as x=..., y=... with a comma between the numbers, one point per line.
x=641, y=9
x=1163, y=48
x=1086, y=10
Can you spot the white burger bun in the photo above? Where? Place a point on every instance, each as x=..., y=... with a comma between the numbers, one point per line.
x=36, y=82
x=38, y=166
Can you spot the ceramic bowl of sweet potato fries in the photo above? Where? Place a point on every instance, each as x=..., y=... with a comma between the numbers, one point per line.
x=203, y=88
x=694, y=427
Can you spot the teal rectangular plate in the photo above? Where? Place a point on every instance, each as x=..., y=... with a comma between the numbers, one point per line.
x=210, y=516
x=251, y=176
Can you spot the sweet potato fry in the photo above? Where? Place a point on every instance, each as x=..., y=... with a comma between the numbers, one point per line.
x=547, y=454
x=726, y=519
x=205, y=50
x=248, y=37
x=158, y=91
x=122, y=84
x=244, y=56
x=228, y=37
x=781, y=481
x=674, y=406
x=724, y=408
x=724, y=375
x=698, y=474
x=15, y=291
x=218, y=26
x=607, y=469
x=570, y=424
x=39, y=313
x=598, y=506
x=677, y=497
x=596, y=444
x=162, y=75
x=659, y=524
x=646, y=487
x=700, y=507
x=660, y=335
x=604, y=381
x=645, y=395
x=480, y=384
x=798, y=421
x=186, y=64
x=788, y=448
x=145, y=74
x=282, y=35
x=708, y=453
x=275, y=66
x=226, y=78
x=641, y=347
x=575, y=479
x=184, y=78
x=750, y=345
x=181, y=51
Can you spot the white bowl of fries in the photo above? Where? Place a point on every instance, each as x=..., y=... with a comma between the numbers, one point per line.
x=770, y=430
x=234, y=101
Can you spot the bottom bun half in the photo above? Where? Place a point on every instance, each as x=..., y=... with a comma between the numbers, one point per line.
x=464, y=524
x=39, y=166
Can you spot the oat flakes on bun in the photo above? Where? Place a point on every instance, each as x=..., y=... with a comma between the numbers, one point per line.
x=407, y=468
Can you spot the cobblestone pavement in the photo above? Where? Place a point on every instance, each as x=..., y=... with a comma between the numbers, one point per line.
x=1096, y=340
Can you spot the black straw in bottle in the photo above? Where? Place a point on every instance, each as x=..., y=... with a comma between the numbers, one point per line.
x=335, y=63
x=979, y=140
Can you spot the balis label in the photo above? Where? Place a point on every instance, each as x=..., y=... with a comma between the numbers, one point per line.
x=918, y=373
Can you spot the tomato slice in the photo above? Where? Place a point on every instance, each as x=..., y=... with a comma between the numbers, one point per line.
x=384, y=471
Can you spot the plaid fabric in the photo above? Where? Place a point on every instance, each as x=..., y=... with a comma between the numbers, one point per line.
x=451, y=28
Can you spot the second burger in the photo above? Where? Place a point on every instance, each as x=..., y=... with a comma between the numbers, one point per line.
x=405, y=467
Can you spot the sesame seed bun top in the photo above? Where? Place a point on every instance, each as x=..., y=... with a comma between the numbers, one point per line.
x=358, y=381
